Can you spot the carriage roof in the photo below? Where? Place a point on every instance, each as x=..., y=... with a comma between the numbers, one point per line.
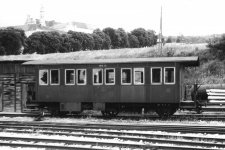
x=187, y=61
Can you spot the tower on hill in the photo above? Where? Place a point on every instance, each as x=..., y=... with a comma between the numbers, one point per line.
x=42, y=16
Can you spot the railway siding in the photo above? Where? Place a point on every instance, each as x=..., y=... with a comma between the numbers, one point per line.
x=104, y=137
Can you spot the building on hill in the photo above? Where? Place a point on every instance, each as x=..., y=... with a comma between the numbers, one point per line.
x=36, y=25
x=42, y=16
x=31, y=28
x=74, y=26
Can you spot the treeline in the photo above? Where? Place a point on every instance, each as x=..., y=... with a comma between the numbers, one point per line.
x=187, y=39
x=14, y=41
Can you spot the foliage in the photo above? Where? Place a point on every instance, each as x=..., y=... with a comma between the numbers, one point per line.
x=169, y=39
x=140, y=33
x=123, y=38
x=44, y=43
x=12, y=41
x=151, y=38
x=98, y=41
x=88, y=42
x=105, y=38
x=145, y=38
x=133, y=41
x=53, y=42
x=77, y=40
x=114, y=37
x=217, y=46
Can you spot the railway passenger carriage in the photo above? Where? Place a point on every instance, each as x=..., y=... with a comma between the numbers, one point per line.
x=111, y=85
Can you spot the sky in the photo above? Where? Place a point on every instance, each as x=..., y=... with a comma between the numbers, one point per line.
x=179, y=17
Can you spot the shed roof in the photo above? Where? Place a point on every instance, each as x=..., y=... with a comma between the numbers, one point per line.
x=188, y=61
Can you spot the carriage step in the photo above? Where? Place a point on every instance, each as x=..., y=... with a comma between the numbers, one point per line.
x=187, y=104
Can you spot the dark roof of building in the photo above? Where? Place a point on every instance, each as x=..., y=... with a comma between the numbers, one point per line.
x=188, y=61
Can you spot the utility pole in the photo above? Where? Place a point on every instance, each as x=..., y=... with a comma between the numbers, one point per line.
x=160, y=33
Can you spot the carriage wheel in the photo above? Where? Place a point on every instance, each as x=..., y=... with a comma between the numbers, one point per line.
x=110, y=113
x=54, y=111
x=165, y=111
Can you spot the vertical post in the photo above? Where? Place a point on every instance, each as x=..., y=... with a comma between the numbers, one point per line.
x=1, y=96
x=195, y=92
x=160, y=34
x=24, y=87
x=15, y=92
x=161, y=30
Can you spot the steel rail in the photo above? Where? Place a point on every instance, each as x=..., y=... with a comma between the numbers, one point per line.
x=151, y=117
x=118, y=133
x=61, y=127
x=92, y=143
x=155, y=127
x=141, y=137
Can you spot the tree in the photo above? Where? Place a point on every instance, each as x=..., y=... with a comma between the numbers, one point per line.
x=141, y=34
x=66, y=44
x=178, y=40
x=76, y=39
x=123, y=38
x=133, y=41
x=105, y=38
x=151, y=38
x=114, y=37
x=12, y=41
x=44, y=43
x=98, y=41
x=88, y=42
x=169, y=39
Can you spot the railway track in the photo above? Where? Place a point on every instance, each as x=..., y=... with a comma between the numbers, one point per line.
x=106, y=136
x=208, y=117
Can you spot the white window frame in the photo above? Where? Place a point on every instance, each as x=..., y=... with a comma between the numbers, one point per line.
x=173, y=76
x=85, y=80
x=93, y=76
x=138, y=83
x=73, y=77
x=47, y=77
x=153, y=83
x=114, y=82
x=51, y=77
x=122, y=76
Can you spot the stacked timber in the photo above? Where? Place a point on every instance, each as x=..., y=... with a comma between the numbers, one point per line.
x=216, y=96
x=8, y=92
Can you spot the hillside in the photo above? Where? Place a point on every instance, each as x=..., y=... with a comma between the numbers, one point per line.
x=172, y=49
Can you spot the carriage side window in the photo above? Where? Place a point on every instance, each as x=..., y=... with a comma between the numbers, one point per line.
x=169, y=75
x=54, y=77
x=69, y=76
x=81, y=76
x=109, y=76
x=126, y=76
x=43, y=77
x=97, y=76
x=156, y=77
x=138, y=75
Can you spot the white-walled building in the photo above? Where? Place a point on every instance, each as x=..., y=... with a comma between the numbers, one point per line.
x=35, y=25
